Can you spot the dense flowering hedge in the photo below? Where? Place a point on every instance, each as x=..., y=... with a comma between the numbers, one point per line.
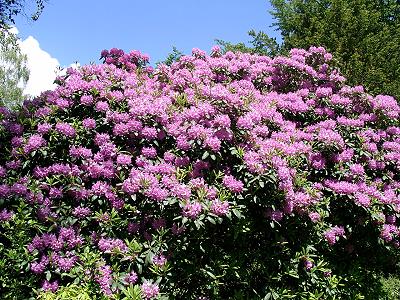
x=231, y=176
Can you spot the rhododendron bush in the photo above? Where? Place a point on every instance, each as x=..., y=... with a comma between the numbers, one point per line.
x=229, y=176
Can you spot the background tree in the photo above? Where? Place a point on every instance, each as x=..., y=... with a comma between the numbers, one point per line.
x=9, y=9
x=261, y=43
x=171, y=57
x=364, y=36
x=14, y=72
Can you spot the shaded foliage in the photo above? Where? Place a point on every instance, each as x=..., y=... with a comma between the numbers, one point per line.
x=363, y=35
x=10, y=9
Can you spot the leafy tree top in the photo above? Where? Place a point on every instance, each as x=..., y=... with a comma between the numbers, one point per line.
x=9, y=9
x=363, y=35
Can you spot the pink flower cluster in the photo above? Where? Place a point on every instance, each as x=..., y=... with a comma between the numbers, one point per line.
x=332, y=234
x=150, y=290
x=140, y=152
x=112, y=245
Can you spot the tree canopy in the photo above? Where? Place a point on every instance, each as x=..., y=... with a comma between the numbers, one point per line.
x=363, y=35
x=14, y=72
x=9, y=9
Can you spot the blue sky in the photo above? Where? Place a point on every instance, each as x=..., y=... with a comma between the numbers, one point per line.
x=77, y=30
x=70, y=31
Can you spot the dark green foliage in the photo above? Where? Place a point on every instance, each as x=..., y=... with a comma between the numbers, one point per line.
x=261, y=43
x=9, y=9
x=363, y=35
x=172, y=57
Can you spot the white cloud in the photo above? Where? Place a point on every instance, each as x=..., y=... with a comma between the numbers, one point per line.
x=42, y=67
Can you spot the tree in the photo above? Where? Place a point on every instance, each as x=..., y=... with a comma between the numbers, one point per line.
x=363, y=35
x=261, y=44
x=14, y=72
x=172, y=57
x=9, y=9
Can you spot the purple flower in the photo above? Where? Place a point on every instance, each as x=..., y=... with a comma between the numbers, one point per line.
x=80, y=152
x=5, y=215
x=13, y=164
x=150, y=290
x=213, y=143
x=149, y=133
x=62, y=103
x=274, y=215
x=314, y=217
x=182, y=143
x=55, y=193
x=104, y=279
x=66, y=129
x=181, y=191
x=17, y=141
x=232, y=184
x=222, y=121
x=192, y=209
x=130, y=186
x=102, y=106
x=331, y=234
x=159, y=260
x=158, y=223
x=37, y=268
x=44, y=128
x=35, y=142
x=124, y=159
x=391, y=219
x=87, y=100
x=341, y=187
x=157, y=193
x=149, y=152
x=330, y=137
x=357, y=169
x=4, y=190
x=362, y=199
x=89, y=123
x=81, y=212
x=308, y=264
x=121, y=129
x=389, y=231
x=43, y=111
x=131, y=278
x=215, y=51
x=109, y=245
x=219, y=208
x=19, y=189
x=104, y=53
x=133, y=227
x=323, y=92
x=65, y=263
x=50, y=286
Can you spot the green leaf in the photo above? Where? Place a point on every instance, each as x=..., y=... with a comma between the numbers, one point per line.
x=205, y=155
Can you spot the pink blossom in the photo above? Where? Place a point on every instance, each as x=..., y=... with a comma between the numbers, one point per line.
x=219, y=208
x=124, y=159
x=65, y=129
x=232, y=184
x=131, y=278
x=89, y=123
x=150, y=290
x=192, y=209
